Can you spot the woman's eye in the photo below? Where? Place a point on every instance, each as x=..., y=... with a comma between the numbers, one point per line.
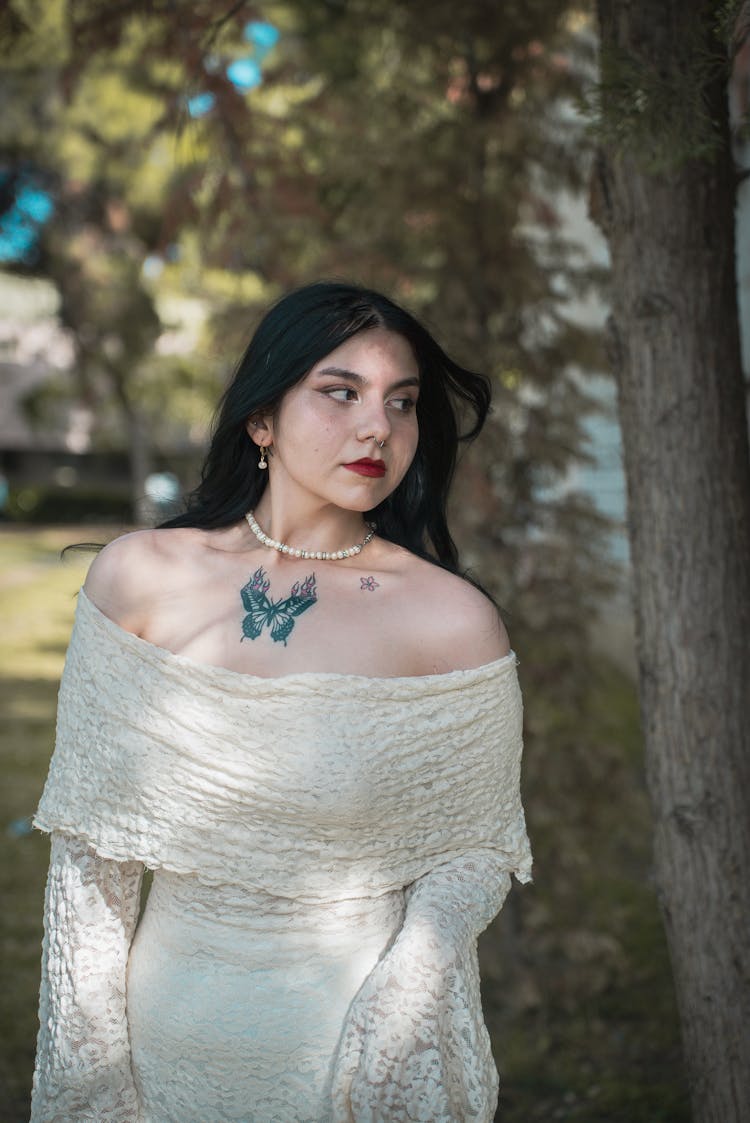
x=341, y=393
x=349, y=394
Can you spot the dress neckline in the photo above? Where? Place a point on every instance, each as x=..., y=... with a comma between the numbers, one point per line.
x=217, y=671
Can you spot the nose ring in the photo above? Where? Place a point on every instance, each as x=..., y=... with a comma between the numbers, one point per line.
x=380, y=444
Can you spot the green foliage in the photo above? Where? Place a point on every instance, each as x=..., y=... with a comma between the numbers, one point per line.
x=660, y=114
x=413, y=146
x=301, y=179
x=662, y=106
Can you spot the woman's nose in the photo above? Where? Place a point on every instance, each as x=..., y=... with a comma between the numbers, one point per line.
x=375, y=425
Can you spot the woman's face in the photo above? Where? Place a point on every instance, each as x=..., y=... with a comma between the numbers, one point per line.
x=326, y=432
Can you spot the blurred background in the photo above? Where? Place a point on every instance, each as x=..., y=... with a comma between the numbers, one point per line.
x=167, y=170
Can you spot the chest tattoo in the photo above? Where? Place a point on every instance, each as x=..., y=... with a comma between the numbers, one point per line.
x=279, y=616
x=368, y=583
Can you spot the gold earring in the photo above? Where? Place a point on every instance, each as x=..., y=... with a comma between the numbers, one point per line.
x=262, y=463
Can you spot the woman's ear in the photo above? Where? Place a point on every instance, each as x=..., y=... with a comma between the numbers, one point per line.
x=258, y=429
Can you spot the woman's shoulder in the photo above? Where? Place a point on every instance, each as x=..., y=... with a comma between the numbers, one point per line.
x=131, y=570
x=460, y=623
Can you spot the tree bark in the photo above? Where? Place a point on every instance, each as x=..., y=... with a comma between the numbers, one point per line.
x=675, y=350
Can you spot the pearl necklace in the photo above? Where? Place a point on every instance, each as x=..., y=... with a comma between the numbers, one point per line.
x=317, y=555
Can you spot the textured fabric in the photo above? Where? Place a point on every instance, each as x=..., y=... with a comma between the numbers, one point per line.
x=83, y=1051
x=415, y=1030
x=237, y=998
x=280, y=971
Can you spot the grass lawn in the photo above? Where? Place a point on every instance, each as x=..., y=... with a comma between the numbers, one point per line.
x=37, y=602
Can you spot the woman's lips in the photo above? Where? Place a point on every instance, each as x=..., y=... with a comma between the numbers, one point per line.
x=366, y=467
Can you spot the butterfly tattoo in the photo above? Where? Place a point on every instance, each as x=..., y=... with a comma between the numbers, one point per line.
x=277, y=615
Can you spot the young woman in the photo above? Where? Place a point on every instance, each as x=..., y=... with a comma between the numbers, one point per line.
x=290, y=706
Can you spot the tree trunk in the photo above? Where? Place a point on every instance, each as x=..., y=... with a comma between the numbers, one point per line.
x=139, y=459
x=675, y=351
x=139, y=450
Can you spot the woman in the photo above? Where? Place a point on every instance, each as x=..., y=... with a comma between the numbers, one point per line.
x=289, y=705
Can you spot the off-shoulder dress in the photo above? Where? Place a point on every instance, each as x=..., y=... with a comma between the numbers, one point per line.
x=326, y=849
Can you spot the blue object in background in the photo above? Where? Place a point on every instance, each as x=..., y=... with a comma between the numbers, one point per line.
x=19, y=828
x=263, y=36
x=244, y=74
x=162, y=489
x=153, y=266
x=22, y=223
x=200, y=104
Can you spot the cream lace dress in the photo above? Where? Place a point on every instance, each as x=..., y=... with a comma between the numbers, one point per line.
x=326, y=849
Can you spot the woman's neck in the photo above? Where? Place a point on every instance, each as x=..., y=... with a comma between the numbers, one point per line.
x=323, y=527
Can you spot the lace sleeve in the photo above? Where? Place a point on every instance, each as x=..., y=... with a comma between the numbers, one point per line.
x=83, y=1053
x=414, y=1045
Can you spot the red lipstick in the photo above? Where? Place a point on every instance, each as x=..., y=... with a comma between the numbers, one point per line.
x=367, y=467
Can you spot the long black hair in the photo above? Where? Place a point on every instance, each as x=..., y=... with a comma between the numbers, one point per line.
x=297, y=332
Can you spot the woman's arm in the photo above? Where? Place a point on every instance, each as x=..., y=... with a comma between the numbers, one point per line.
x=83, y=1051
x=414, y=1044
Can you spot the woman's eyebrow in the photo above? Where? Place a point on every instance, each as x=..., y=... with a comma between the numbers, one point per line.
x=354, y=376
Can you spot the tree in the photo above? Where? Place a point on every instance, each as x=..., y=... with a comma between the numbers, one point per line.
x=665, y=191
x=87, y=128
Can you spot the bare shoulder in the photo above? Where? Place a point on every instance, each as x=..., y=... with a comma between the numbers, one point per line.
x=128, y=573
x=461, y=625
